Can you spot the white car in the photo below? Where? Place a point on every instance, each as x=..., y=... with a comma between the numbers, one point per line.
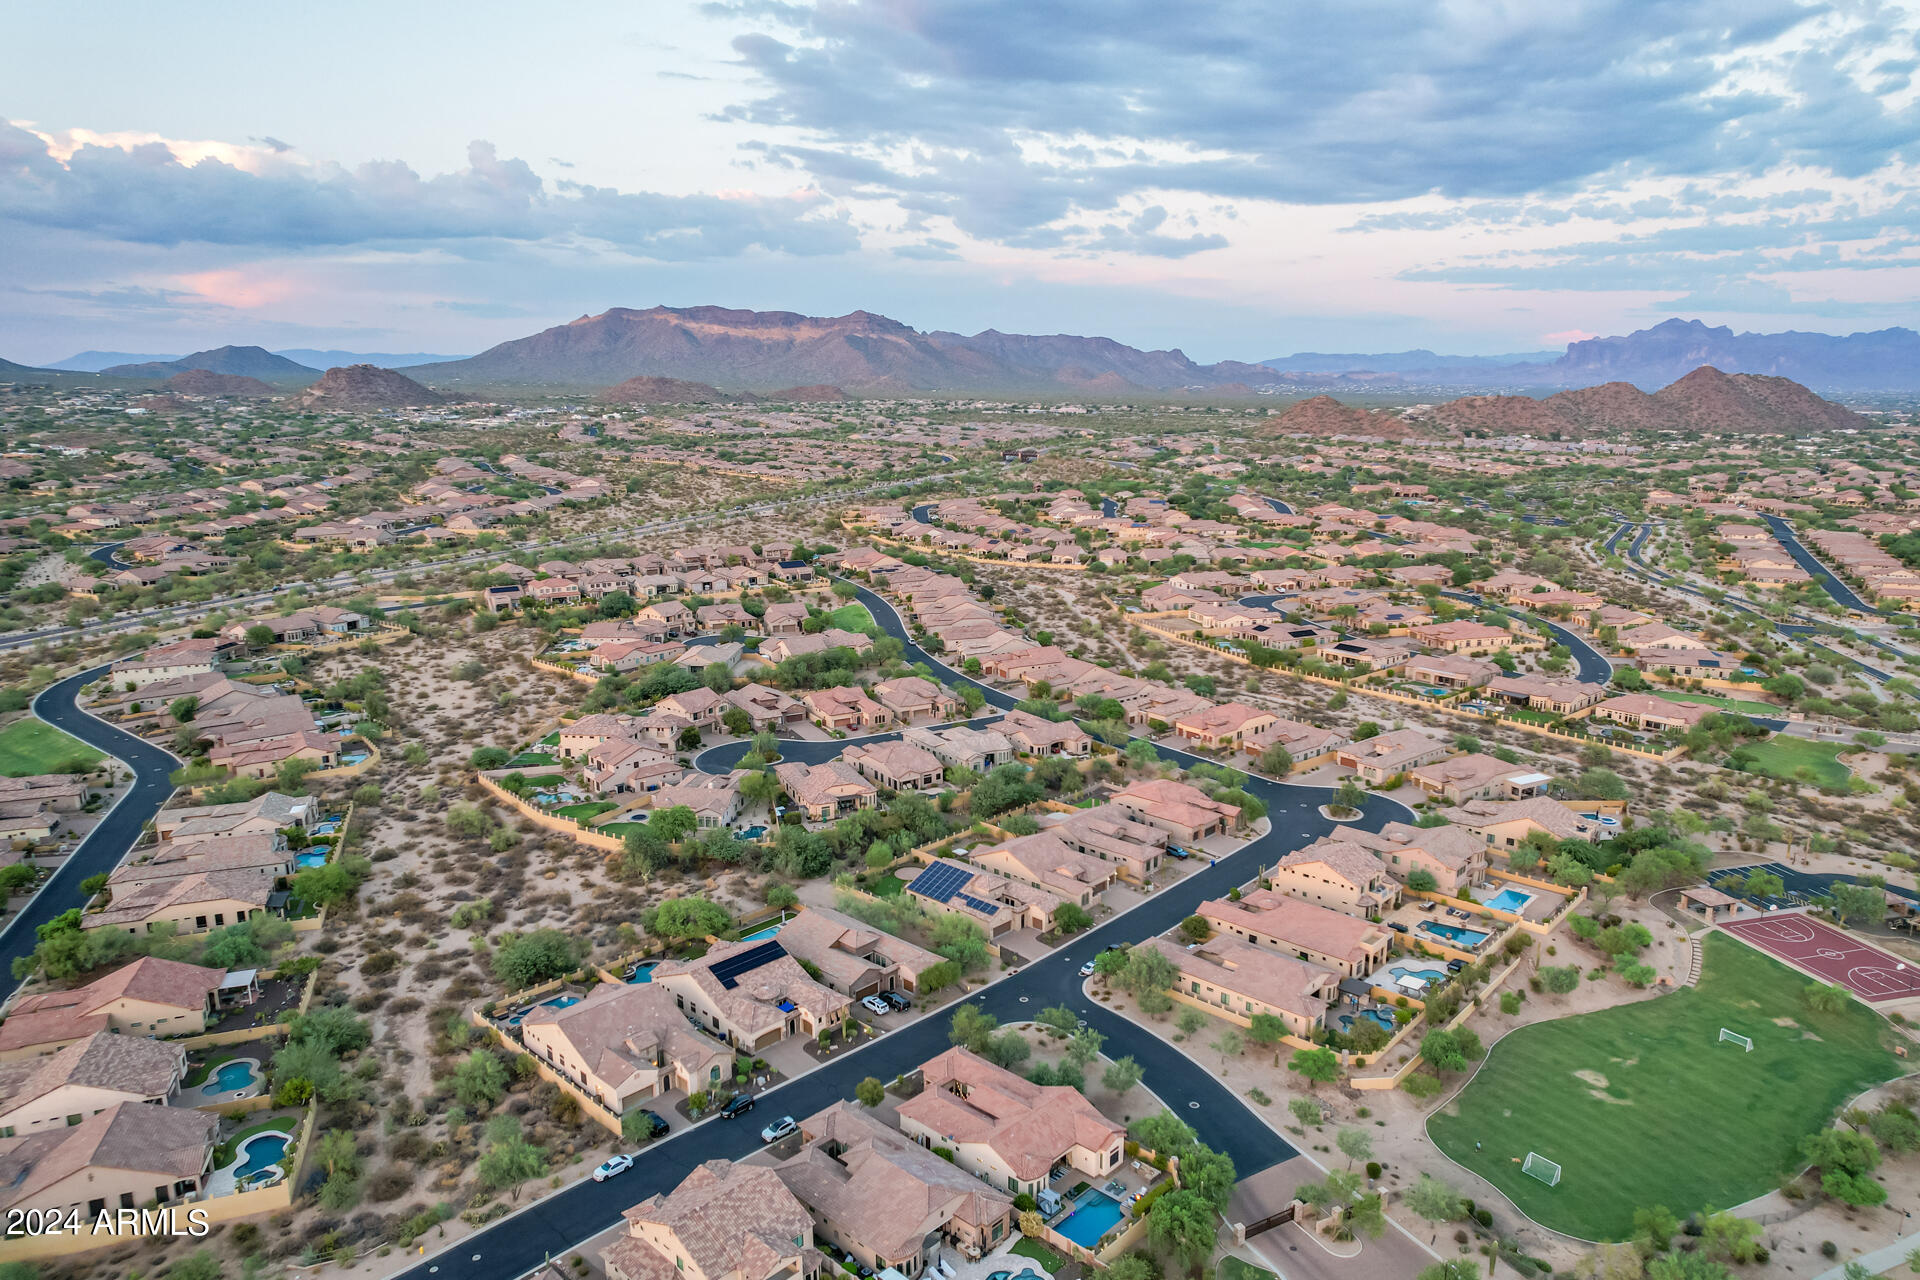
x=1086, y=970
x=779, y=1129
x=614, y=1165
x=875, y=1005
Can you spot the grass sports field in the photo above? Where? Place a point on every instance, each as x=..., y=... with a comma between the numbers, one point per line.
x=1640, y=1105
x=1781, y=757
x=32, y=746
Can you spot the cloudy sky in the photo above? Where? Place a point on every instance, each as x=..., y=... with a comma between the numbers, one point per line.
x=1237, y=179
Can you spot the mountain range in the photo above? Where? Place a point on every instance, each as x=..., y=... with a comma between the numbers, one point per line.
x=246, y=362
x=1882, y=360
x=314, y=360
x=1704, y=402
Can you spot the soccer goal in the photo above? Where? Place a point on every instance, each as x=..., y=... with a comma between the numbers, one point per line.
x=1540, y=1167
x=1745, y=1042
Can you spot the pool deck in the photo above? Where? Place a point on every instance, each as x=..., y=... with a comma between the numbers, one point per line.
x=221, y=1181
x=194, y=1095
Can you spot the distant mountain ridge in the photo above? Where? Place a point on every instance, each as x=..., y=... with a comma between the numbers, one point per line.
x=764, y=351
x=248, y=362
x=312, y=358
x=1882, y=360
x=365, y=386
x=1705, y=401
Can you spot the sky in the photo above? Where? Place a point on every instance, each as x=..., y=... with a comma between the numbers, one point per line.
x=1240, y=180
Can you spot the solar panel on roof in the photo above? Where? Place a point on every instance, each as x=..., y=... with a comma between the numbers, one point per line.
x=979, y=904
x=728, y=971
x=940, y=882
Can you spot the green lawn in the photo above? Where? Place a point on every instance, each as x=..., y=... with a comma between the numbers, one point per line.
x=1745, y=706
x=33, y=746
x=581, y=812
x=1049, y=1261
x=1232, y=1268
x=1640, y=1105
x=528, y=759
x=1783, y=757
x=621, y=828
x=887, y=886
x=852, y=617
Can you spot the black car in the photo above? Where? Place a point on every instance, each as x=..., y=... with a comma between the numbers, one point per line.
x=655, y=1126
x=898, y=1001
x=738, y=1105
x=1396, y=926
x=1455, y=966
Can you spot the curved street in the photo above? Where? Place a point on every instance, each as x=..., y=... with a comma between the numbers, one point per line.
x=562, y=1221
x=115, y=833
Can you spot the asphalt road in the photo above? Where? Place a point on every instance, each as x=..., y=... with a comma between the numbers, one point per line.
x=1279, y=506
x=1806, y=560
x=109, y=841
x=1590, y=665
x=516, y=1245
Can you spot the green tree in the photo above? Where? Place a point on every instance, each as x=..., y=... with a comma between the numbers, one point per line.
x=528, y=959
x=1857, y=903
x=1184, y=1224
x=1121, y=1074
x=509, y=1159
x=689, y=917
x=1315, y=1066
x=1071, y=918
x=870, y=1092
x=1434, y=1200
x=1354, y=1144
x=480, y=1080
x=973, y=1027
x=1653, y=1228
x=1208, y=1173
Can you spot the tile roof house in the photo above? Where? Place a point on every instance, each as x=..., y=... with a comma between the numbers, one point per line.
x=725, y=1221
x=1224, y=725
x=897, y=765
x=1450, y=671
x=1270, y=919
x=1455, y=859
x=1506, y=824
x=1302, y=741
x=1381, y=757
x=912, y=698
x=1005, y=1130
x=129, y=1155
x=1034, y=736
x=1338, y=874
x=752, y=994
x=1112, y=833
x=1184, y=812
x=1048, y=862
x=825, y=791
x=1236, y=980
x=845, y=707
x=964, y=747
x=1654, y=714
x=768, y=708
x=852, y=958
x=624, y=1043
x=86, y=1078
x=997, y=903
x=1475, y=776
x=1463, y=637
x=148, y=997
x=877, y=1194
x=193, y=903
x=1540, y=693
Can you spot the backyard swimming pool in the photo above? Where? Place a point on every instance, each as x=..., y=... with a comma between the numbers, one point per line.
x=1510, y=900
x=1459, y=937
x=561, y=1002
x=763, y=934
x=261, y=1151
x=241, y=1073
x=642, y=972
x=1094, y=1214
x=311, y=859
x=1380, y=1016
x=1431, y=977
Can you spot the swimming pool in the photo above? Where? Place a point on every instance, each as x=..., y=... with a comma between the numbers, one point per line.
x=561, y=1002
x=1094, y=1214
x=228, y=1077
x=750, y=833
x=311, y=859
x=261, y=1151
x=1510, y=900
x=1459, y=937
x=642, y=972
x=763, y=934
x=1432, y=977
x=1380, y=1016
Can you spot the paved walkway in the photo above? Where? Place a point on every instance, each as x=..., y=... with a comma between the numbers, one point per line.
x=1882, y=1259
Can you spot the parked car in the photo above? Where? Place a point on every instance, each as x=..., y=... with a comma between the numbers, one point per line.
x=779, y=1129
x=1086, y=970
x=611, y=1166
x=897, y=1000
x=738, y=1105
x=1396, y=926
x=655, y=1126
x=875, y=1005
x=1175, y=851
x=1455, y=966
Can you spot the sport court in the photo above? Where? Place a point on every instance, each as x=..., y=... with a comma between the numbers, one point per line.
x=1870, y=973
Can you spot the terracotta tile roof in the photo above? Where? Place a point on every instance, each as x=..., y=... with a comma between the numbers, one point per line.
x=1029, y=1126
x=883, y=1190
x=169, y=1143
x=734, y=1222
x=1266, y=977
x=133, y=1065
x=1296, y=922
